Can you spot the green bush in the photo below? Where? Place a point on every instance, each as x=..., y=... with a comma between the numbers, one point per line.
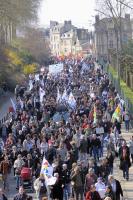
x=128, y=93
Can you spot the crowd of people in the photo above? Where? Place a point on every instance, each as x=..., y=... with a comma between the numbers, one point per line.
x=70, y=119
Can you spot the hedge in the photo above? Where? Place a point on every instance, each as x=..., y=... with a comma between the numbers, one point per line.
x=128, y=93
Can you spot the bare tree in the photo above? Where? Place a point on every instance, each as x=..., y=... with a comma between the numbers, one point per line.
x=37, y=44
x=115, y=10
x=14, y=13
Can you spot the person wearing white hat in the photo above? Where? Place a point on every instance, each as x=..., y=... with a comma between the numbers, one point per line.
x=100, y=187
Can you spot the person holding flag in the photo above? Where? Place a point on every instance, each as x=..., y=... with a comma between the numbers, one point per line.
x=42, y=94
x=65, y=96
x=117, y=113
x=40, y=187
x=45, y=180
x=58, y=99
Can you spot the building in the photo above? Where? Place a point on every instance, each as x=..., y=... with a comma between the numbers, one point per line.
x=56, y=32
x=65, y=39
x=109, y=37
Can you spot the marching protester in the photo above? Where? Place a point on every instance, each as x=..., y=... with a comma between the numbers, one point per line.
x=65, y=129
x=115, y=187
x=125, y=163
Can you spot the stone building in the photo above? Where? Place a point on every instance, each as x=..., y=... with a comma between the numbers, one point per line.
x=65, y=39
x=108, y=36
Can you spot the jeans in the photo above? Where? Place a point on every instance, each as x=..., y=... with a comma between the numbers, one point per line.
x=111, y=169
x=101, y=151
x=67, y=192
x=95, y=153
x=127, y=125
x=5, y=181
x=125, y=170
x=48, y=192
x=18, y=181
x=78, y=193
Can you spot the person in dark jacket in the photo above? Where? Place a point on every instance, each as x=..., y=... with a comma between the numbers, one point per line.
x=92, y=194
x=104, y=169
x=77, y=183
x=50, y=154
x=109, y=192
x=110, y=160
x=95, y=142
x=125, y=164
x=29, y=161
x=66, y=182
x=21, y=195
x=83, y=148
x=57, y=189
x=116, y=187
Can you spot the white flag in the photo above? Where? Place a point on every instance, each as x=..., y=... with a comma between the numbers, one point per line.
x=65, y=96
x=41, y=93
x=13, y=104
x=37, y=77
x=30, y=85
x=58, y=96
x=47, y=171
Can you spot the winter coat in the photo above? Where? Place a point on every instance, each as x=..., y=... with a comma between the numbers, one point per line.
x=77, y=179
x=126, y=159
x=109, y=194
x=92, y=196
x=83, y=146
x=57, y=190
x=21, y=197
x=90, y=180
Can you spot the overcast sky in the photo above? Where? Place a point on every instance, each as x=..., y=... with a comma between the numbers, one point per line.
x=81, y=12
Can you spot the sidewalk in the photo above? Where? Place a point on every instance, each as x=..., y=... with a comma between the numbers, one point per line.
x=127, y=186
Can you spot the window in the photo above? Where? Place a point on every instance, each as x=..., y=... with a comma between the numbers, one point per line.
x=68, y=35
x=125, y=37
x=110, y=33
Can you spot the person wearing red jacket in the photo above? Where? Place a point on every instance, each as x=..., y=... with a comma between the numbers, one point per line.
x=92, y=194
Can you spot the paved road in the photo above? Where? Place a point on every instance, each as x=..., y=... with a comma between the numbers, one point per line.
x=126, y=185
x=5, y=103
x=12, y=188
